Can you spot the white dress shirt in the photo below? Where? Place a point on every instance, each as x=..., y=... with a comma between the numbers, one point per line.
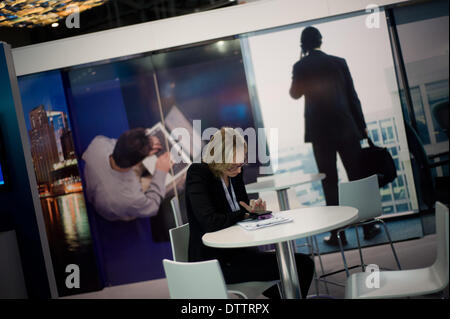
x=118, y=195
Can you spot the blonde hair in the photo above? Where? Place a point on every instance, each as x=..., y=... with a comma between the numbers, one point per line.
x=221, y=152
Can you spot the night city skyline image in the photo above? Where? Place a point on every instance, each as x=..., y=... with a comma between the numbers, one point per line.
x=58, y=176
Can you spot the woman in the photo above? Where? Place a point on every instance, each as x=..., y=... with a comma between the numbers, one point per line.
x=216, y=199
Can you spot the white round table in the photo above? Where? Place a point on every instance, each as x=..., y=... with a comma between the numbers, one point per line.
x=281, y=183
x=307, y=221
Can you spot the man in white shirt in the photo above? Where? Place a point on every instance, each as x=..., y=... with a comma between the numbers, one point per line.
x=112, y=185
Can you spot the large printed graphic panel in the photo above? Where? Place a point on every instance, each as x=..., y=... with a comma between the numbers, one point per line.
x=368, y=54
x=57, y=174
x=69, y=111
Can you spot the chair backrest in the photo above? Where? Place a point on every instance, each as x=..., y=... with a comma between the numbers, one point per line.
x=175, y=204
x=179, y=240
x=363, y=194
x=442, y=260
x=197, y=280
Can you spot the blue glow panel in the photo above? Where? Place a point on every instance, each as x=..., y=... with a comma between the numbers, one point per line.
x=2, y=181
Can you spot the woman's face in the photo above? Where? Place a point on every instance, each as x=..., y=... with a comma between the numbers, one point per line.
x=235, y=168
x=233, y=171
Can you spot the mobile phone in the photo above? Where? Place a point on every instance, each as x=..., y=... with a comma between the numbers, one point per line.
x=256, y=215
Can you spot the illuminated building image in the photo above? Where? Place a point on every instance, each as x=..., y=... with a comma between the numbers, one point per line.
x=67, y=144
x=396, y=196
x=66, y=178
x=58, y=179
x=43, y=144
x=301, y=160
x=53, y=153
x=429, y=82
x=64, y=141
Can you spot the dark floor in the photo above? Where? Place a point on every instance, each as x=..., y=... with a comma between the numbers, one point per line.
x=399, y=230
x=415, y=246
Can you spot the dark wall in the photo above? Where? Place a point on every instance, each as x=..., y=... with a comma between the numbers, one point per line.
x=112, y=14
x=19, y=36
x=16, y=203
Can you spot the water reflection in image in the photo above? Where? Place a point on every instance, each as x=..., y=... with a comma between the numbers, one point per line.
x=68, y=220
x=70, y=241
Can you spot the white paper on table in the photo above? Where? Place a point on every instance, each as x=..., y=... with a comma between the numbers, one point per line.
x=257, y=224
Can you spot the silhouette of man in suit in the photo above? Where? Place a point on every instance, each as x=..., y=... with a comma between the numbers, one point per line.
x=334, y=121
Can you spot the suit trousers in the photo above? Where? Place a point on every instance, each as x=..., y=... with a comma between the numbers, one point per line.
x=325, y=154
x=255, y=265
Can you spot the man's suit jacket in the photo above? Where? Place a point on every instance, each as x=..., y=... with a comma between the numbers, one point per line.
x=208, y=210
x=332, y=107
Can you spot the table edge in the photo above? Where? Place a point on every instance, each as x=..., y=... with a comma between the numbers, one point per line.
x=289, y=238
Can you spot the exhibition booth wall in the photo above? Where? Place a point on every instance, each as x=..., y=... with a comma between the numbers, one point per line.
x=66, y=110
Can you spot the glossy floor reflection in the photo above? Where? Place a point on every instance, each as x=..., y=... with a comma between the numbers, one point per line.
x=412, y=254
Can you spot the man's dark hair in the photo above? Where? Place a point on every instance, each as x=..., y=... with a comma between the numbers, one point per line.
x=310, y=39
x=131, y=148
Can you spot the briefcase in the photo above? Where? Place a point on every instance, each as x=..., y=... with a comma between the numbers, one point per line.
x=378, y=161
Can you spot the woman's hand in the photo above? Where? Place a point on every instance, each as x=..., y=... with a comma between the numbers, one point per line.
x=255, y=205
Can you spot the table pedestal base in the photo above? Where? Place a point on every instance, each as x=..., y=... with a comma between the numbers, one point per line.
x=288, y=270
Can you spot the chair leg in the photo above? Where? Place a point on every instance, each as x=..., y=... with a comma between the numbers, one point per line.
x=320, y=261
x=280, y=289
x=343, y=255
x=363, y=265
x=390, y=241
x=311, y=252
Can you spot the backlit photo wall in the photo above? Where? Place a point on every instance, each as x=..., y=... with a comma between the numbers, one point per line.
x=235, y=82
x=68, y=111
x=364, y=43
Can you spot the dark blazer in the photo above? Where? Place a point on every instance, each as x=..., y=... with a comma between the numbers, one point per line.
x=332, y=107
x=208, y=210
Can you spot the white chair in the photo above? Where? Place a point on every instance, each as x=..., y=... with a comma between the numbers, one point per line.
x=179, y=240
x=198, y=280
x=176, y=210
x=363, y=194
x=408, y=283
